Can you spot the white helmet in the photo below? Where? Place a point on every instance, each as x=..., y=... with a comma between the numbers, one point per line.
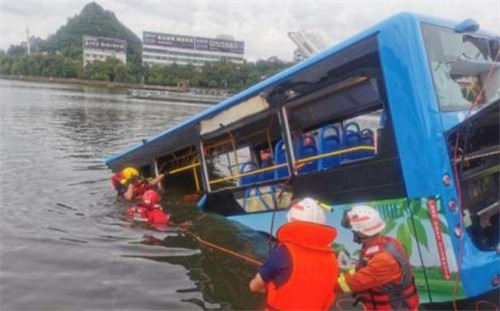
x=307, y=209
x=365, y=220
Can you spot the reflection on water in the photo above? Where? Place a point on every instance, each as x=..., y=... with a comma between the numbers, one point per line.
x=64, y=242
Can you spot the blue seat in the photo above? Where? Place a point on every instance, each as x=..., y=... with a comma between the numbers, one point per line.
x=279, y=158
x=329, y=143
x=251, y=179
x=266, y=175
x=306, y=151
x=367, y=139
x=351, y=138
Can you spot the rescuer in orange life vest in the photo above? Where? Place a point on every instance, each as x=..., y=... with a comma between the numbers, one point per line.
x=301, y=272
x=383, y=279
x=129, y=186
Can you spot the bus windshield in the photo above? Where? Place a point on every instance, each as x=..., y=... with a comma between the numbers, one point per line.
x=460, y=63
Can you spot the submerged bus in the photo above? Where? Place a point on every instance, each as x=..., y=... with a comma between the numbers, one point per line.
x=403, y=117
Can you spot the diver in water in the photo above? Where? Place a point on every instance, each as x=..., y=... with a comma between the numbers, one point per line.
x=149, y=210
x=129, y=186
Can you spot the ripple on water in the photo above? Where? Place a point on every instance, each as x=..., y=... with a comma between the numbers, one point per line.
x=64, y=242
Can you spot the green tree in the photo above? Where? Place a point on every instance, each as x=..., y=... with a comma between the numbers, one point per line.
x=111, y=69
x=16, y=50
x=93, y=20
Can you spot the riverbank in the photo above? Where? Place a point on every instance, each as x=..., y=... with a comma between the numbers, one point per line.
x=120, y=86
x=142, y=91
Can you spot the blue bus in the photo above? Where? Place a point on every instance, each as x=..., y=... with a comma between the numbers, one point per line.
x=403, y=117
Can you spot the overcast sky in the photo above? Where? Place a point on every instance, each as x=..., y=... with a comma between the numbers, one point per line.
x=263, y=25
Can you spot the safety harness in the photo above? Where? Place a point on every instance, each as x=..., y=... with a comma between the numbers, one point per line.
x=392, y=296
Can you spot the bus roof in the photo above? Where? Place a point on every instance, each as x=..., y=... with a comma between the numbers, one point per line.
x=186, y=133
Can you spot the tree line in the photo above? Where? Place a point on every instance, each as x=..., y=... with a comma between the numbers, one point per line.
x=221, y=74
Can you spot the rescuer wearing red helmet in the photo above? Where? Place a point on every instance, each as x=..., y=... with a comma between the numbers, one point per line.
x=128, y=184
x=383, y=279
x=149, y=211
x=301, y=272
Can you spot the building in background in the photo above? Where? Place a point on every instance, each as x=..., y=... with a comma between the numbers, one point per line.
x=166, y=49
x=100, y=48
x=308, y=44
x=32, y=43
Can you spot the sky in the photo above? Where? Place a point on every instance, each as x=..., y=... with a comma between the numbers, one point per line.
x=263, y=25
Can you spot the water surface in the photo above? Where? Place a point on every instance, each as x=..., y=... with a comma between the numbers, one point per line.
x=65, y=244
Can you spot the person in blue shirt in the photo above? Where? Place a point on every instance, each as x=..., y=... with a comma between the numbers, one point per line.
x=301, y=272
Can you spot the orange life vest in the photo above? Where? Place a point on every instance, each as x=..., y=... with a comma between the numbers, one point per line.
x=314, y=274
x=391, y=296
x=153, y=215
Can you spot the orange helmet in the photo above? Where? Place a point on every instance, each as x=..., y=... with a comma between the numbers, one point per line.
x=150, y=197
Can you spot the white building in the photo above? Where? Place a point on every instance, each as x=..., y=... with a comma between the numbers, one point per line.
x=166, y=49
x=308, y=44
x=100, y=48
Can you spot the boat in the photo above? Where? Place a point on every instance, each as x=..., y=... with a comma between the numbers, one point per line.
x=192, y=95
x=398, y=117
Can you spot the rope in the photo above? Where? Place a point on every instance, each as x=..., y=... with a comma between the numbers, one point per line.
x=280, y=194
x=488, y=303
x=185, y=224
x=184, y=227
x=459, y=190
x=220, y=248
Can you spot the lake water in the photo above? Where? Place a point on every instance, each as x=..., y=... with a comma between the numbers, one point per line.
x=65, y=244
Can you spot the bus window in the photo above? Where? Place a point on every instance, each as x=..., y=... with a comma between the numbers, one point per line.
x=223, y=162
x=246, y=155
x=343, y=129
x=459, y=65
x=248, y=161
x=478, y=167
x=184, y=171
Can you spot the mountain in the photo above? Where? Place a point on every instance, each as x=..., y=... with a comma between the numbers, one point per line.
x=93, y=20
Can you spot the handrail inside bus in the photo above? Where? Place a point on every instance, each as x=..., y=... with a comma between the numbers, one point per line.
x=338, y=152
x=304, y=160
x=183, y=168
x=270, y=168
x=266, y=169
x=195, y=175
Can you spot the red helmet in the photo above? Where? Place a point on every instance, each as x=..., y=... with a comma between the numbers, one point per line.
x=150, y=197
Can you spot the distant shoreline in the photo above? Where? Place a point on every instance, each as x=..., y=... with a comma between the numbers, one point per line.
x=111, y=85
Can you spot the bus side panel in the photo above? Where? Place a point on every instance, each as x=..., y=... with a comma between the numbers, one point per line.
x=422, y=145
x=424, y=236
x=430, y=251
x=431, y=236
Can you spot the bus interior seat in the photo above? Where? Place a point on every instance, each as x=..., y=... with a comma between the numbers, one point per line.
x=248, y=167
x=268, y=175
x=367, y=139
x=351, y=138
x=306, y=151
x=329, y=142
x=279, y=158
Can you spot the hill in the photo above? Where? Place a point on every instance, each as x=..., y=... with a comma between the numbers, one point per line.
x=93, y=20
